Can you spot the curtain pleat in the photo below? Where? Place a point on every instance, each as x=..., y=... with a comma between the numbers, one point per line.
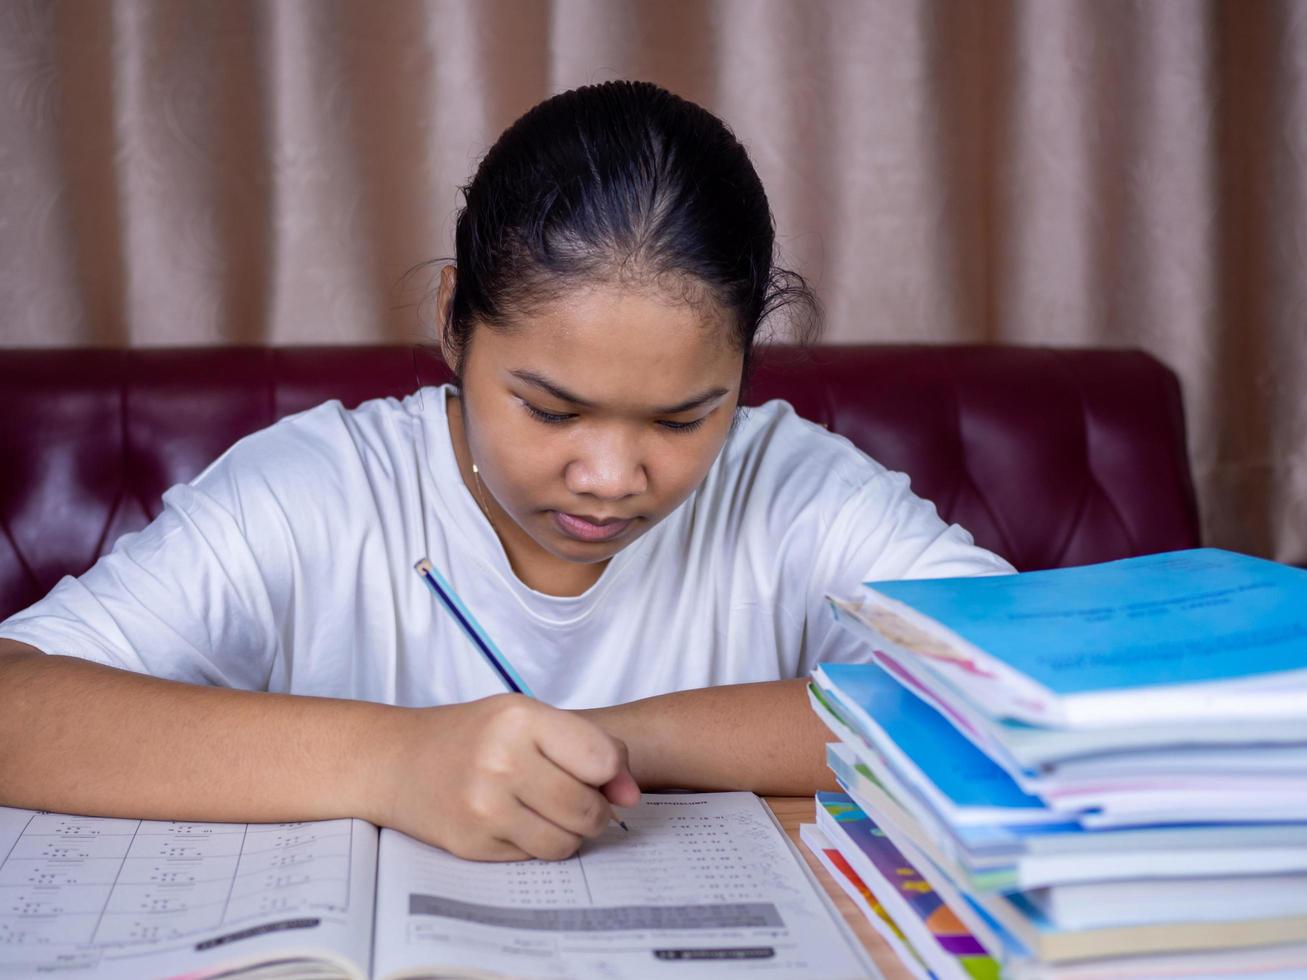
x=1062, y=172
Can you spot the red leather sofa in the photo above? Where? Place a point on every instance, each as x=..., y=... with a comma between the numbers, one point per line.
x=1050, y=457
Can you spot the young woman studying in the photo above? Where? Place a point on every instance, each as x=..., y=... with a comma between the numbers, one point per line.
x=651, y=560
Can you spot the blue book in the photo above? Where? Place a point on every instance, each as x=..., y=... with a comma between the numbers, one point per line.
x=1202, y=635
x=961, y=783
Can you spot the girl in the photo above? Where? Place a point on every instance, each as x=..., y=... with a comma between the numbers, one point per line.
x=652, y=560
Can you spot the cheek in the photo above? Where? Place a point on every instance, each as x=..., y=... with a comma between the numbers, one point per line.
x=524, y=459
x=501, y=446
x=677, y=470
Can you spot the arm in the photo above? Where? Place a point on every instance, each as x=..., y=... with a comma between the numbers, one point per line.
x=501, y=778
x=81, y=737
x=760, y=737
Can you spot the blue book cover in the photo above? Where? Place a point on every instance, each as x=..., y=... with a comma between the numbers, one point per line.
x=929, y=751
x=1203, y=615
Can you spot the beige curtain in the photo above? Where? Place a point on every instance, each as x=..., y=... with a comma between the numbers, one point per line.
x=1097, y=173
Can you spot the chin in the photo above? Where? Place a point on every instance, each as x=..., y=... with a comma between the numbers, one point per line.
x=580, y=553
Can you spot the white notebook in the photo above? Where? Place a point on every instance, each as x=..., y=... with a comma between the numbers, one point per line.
x=702, y=885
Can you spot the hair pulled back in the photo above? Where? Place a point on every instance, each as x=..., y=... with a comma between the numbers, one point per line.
x=619, y=182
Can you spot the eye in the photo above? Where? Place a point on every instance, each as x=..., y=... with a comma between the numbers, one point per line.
x=549, y=418
x=683, y=426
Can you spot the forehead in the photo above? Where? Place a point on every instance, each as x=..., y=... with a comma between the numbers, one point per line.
x=621, y=344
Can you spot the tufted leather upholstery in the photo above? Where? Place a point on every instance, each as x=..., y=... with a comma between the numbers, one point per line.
x=1050, y=457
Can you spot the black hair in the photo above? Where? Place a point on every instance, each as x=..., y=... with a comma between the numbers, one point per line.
x=620, y=181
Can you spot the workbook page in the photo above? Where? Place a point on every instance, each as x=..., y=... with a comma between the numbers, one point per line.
x=701, y=885
x=109, y=898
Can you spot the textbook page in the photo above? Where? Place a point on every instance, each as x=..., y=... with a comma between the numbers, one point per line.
x=118, y=899
x=702, y=885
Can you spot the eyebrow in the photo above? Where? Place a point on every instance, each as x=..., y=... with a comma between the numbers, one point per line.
x=562, y=394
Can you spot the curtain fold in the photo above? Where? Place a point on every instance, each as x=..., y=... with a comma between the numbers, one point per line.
x=1061, y=172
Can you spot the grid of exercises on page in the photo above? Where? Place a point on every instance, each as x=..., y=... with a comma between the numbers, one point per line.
x=701, y=885
x=139, y=898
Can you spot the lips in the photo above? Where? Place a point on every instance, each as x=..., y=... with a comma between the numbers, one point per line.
x=588, y=528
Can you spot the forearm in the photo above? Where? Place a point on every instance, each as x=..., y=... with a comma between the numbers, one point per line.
x=759, y=737
x=79, y=737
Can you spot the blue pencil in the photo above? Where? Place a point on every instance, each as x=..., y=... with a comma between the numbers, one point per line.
x=479, y=637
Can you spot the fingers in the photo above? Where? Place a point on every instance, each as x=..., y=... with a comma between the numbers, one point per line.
x=485, y=849
x=563, y=799
x=540, y=826
x=499, y=826
x=540, y=838
x=580, y=747
x=530, y=837
x=556, y=783
x=507, y=778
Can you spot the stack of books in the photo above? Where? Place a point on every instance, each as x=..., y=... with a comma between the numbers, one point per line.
x=1094, y=772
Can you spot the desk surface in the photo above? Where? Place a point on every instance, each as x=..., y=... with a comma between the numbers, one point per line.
x=794, y=810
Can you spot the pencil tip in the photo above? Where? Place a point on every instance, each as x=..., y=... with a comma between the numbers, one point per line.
x=622, y=824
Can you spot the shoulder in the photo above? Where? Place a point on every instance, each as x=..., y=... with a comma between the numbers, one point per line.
x=810, y=496
x=319, y=455
x=779, y=483
x=330, y=430
x=774, y=450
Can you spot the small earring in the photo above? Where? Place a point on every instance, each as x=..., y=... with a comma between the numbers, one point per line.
x=475, y=471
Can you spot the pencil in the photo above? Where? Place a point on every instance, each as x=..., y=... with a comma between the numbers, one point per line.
x=479, y=637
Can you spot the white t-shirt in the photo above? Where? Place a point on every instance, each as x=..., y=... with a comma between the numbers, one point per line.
x=287, y=565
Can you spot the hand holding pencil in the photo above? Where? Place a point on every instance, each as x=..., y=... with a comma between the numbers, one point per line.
x=506, y=777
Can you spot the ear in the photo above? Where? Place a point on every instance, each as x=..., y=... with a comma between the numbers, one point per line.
x=444, y=299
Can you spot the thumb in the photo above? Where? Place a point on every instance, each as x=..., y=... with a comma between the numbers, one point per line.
x=622, y=789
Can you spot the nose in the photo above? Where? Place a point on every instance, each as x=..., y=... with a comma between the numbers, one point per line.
x=609, y=467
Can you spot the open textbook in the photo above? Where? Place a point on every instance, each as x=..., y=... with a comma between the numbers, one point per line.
x=701, y=885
